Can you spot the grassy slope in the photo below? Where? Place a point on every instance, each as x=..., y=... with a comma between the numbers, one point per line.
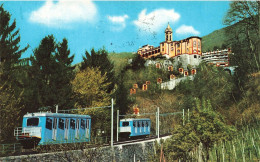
x=120, y=60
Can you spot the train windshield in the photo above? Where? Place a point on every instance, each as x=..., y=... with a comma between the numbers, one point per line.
x=125, y=124
x=32, y=122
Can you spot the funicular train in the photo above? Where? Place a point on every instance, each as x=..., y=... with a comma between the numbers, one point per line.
x=45, y=128
x=135, y=128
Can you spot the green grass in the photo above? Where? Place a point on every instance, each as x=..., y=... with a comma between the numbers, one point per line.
x=243, y=147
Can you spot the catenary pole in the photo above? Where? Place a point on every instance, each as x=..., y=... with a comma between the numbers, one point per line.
x=117, y=124
x=112, y=110
x=158, y=116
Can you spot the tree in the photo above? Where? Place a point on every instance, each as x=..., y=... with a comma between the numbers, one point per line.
x=9, y=43
x=10, y=108
x=43, y=73
x=64, y=75
x=247, y=14
x=138, y=63
x=122, y=100
x=205, y=126
x=100, y=60
x=210, y=82
x=89, y=87
x=11, y=87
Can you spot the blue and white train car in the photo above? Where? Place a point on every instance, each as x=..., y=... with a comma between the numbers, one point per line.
x=131, y=128
x=45, y=128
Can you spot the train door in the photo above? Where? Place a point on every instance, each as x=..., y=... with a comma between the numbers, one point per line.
x=136, y=125
x=87, y=128
x=77, y=129
x=66, y=132
x=149, y=125
x=140, y=126
x=144, y=124
x=54, y=130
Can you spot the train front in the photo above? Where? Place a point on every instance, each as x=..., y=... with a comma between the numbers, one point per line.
x=29, y=135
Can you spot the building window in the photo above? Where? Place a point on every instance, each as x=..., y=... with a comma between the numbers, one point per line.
x=178, y=51
x=172, y=48
x=194, y=43
x=178, y=45
x=199, y=44
x=163, y=49
x=194, y=51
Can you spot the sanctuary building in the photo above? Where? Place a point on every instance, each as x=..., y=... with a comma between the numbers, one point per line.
x=186, y=51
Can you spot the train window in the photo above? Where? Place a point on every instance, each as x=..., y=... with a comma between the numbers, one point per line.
x=49, y=123
x=82, y=125
x=61, y=124
x=32, y=122
x=146, y=123
x=125, y=124
x=139, y=124
x=72, y=124
x=143, y=123
x=134, y=124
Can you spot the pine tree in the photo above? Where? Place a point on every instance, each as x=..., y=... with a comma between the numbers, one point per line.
x=11, y=87
x=43, y=74
x=10, y=51
x=64, y=75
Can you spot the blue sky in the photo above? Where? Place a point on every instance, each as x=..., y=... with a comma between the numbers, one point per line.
x=116, y=25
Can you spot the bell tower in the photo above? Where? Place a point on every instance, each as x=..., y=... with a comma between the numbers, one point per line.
x=168, y=33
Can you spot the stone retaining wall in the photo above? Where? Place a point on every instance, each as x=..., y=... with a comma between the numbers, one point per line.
x=124, y=153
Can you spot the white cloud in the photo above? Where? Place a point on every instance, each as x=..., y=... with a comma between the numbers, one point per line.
x=64, y=12
x=156, y=20
x=118, y=22
x=186, y=30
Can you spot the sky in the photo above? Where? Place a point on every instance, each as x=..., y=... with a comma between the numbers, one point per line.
x=118, y=26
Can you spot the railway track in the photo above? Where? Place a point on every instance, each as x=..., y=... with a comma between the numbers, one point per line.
x=69, y=147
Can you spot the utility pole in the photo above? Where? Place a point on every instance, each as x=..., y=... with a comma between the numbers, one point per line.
x=117, y=124
x=158, y=124
x=112, y=116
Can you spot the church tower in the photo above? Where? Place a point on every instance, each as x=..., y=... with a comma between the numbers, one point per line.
x=168, y=33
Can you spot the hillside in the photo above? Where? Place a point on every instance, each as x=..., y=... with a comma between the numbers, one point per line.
x=214, y=39
x=120, y=59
